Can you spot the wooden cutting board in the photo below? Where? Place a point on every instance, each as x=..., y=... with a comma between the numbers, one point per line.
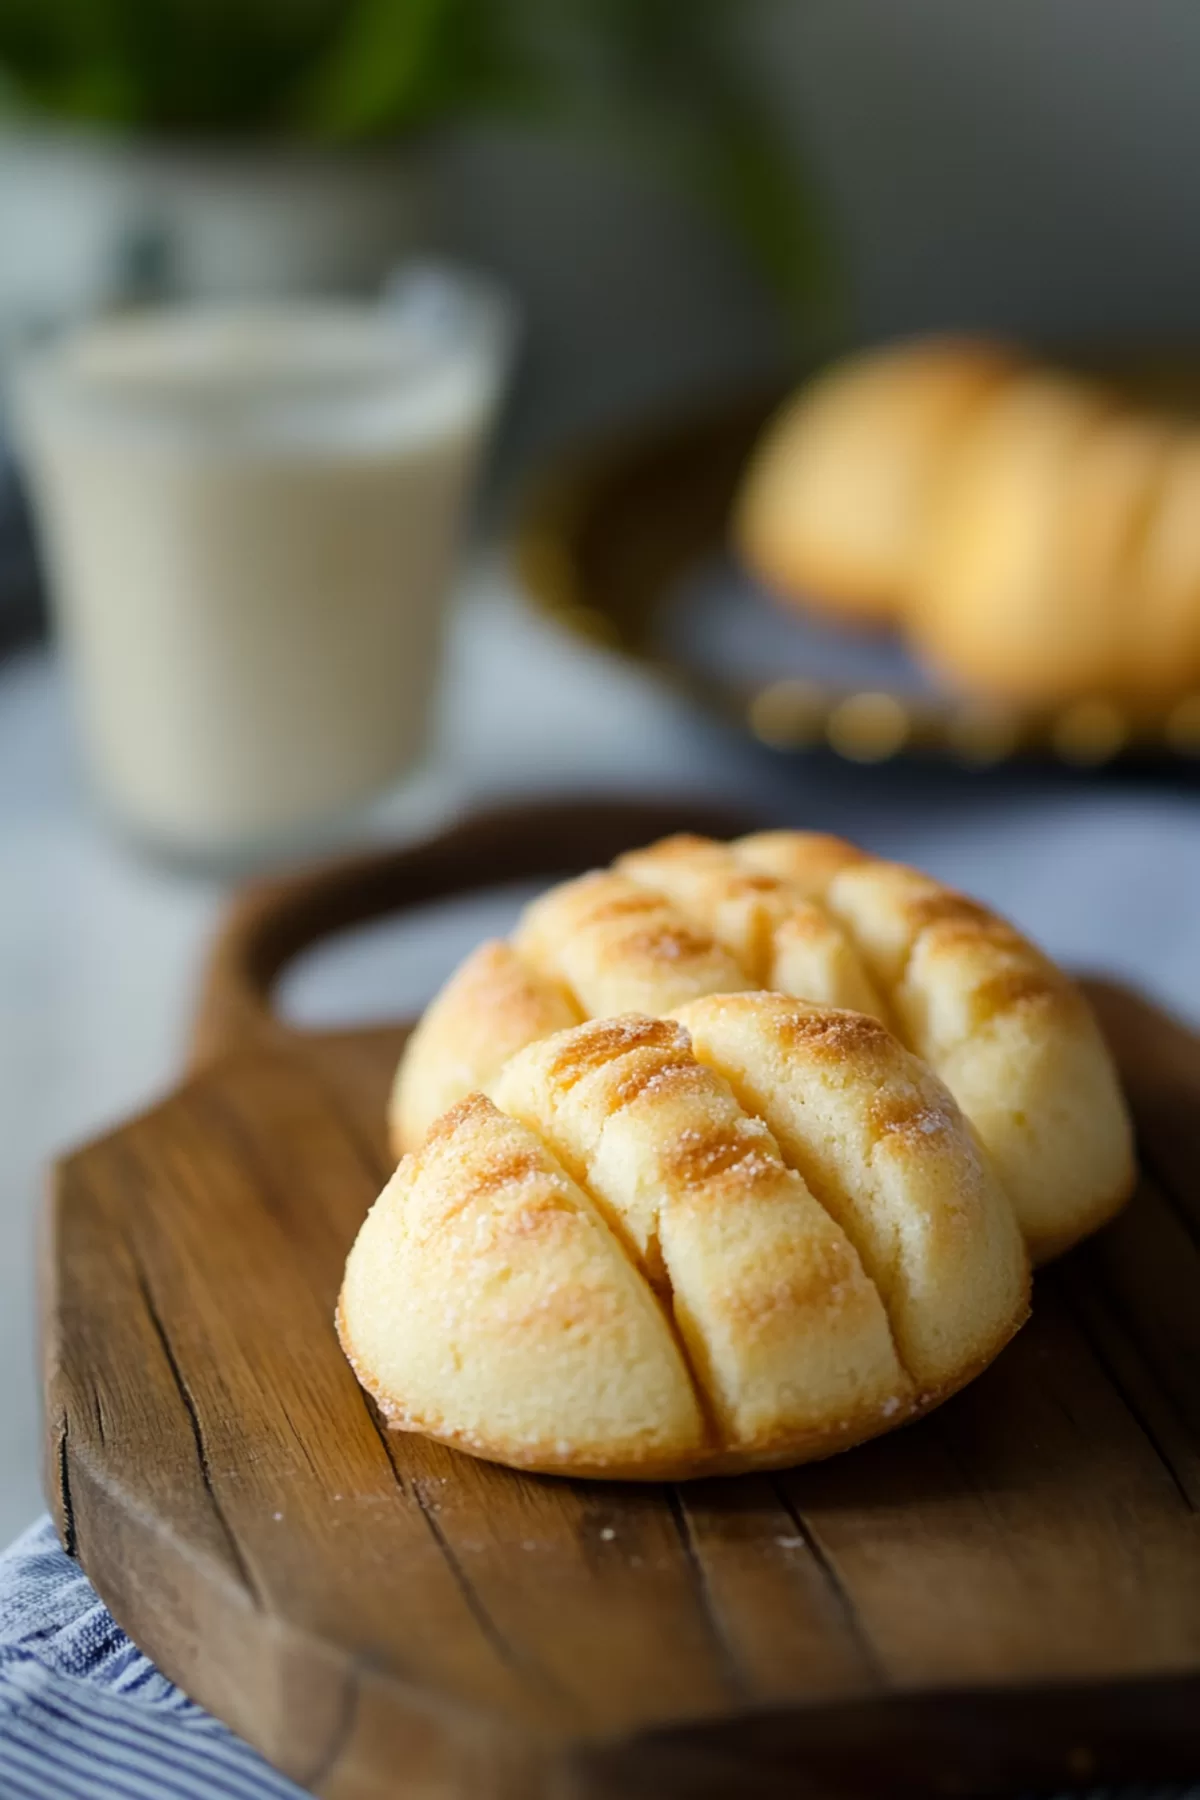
x=1006, y=1594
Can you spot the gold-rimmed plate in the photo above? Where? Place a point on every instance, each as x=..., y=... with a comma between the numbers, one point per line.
x=625, y=544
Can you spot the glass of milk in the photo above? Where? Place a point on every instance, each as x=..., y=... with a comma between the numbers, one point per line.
x=249, y=518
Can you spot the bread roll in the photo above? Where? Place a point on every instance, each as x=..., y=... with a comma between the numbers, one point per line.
x=833, y=507
x=817, y=919
x=1161, y=646
x=1025, y=589
x=1032, y=531
x=644, y=1260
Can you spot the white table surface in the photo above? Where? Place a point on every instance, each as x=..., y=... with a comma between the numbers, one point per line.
x=99, y=949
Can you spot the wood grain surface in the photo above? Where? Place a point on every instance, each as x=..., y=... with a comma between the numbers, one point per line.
x=1006, y=1593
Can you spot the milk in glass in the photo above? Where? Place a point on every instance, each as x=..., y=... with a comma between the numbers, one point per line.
x=249, y=520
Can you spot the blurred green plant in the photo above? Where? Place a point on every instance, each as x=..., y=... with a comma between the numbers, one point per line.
x=665, y=77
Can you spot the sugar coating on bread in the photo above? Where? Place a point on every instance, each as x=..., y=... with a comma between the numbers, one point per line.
x=493, y=1004
x=835, y=503
x=785, y=1331
x=781, y=939
x=644, y=1256
x=881, y=1143
x=810, y=916
x=487, y=1303
x=1013, y=1039
x=620, y=947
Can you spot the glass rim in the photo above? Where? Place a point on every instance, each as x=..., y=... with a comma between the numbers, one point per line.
x=436, y=345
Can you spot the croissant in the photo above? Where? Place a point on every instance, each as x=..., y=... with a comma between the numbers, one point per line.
x=744, y=1237
x=1036, y=533
x=811, y=917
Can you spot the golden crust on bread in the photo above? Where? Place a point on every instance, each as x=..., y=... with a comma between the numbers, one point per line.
x=779, y=937
x=615, y=1266
x=493, y=1005
x=619, y=947
x=1010, y=1035
x=883, y=1146
x=787, y=1336
x=834, y=505
x=485, y=1295
x=813, y=917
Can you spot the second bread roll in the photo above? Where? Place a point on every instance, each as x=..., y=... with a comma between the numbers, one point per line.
x=1034, y=532
x=1024, y=589
x=834, y=507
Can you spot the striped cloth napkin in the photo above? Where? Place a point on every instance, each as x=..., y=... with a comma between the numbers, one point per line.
x=85, y=1716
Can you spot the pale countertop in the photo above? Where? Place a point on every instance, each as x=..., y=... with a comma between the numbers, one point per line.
x=99, y=949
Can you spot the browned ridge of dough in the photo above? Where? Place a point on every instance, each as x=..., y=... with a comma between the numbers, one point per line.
x=806, y=914
x=743, y=1238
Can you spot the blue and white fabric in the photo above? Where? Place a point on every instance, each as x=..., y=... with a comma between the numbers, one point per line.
x=85, y=1716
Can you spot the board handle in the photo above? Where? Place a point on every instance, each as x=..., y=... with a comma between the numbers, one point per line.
x=271, y=922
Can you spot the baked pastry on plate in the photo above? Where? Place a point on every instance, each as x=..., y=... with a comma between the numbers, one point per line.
x=1032, y=531
x=733, y=1156
x=741, y=1238
x=812, y=917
